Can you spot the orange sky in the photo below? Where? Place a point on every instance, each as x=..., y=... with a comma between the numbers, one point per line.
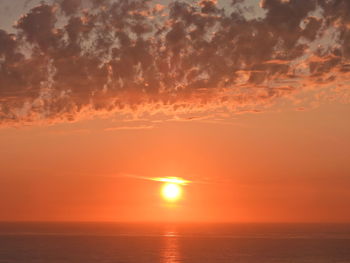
x=286, y=166
x=249, y=101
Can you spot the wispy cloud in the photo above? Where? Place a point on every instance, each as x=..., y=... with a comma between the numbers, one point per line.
x=175, y=180
x=127, y=128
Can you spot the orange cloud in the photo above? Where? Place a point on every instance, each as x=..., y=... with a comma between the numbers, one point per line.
x=66, y=62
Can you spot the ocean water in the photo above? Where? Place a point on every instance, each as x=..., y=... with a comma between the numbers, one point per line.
x=170, y=243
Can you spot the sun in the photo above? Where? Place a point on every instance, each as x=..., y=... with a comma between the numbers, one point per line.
x=171, y=192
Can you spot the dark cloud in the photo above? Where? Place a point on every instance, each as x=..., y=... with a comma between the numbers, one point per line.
x=72, y=59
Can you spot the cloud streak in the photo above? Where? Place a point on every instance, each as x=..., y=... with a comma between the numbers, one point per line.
x=174, y=180
x=71, y=59
x=129, y=128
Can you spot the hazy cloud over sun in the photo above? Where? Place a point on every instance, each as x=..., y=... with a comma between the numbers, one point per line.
x=72, y=59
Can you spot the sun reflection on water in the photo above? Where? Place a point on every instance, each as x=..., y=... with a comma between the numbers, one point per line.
x=170, y=251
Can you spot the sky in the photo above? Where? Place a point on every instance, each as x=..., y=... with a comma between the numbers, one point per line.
x=247, y=100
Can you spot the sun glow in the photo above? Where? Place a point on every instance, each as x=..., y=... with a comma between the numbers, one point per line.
x=171, y=191
x=174, y=180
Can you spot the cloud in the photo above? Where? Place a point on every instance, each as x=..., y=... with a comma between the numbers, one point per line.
x=175, y=180
x=71, y=59
x=128, y=128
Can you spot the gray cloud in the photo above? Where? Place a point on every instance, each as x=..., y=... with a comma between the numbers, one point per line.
x=72, y=59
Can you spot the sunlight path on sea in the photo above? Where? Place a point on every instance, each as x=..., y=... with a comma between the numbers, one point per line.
x=170, y=252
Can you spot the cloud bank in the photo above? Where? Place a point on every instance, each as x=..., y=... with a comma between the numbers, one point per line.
x=74, y=59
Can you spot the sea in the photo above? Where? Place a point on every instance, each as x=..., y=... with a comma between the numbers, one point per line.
x=170, y=243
